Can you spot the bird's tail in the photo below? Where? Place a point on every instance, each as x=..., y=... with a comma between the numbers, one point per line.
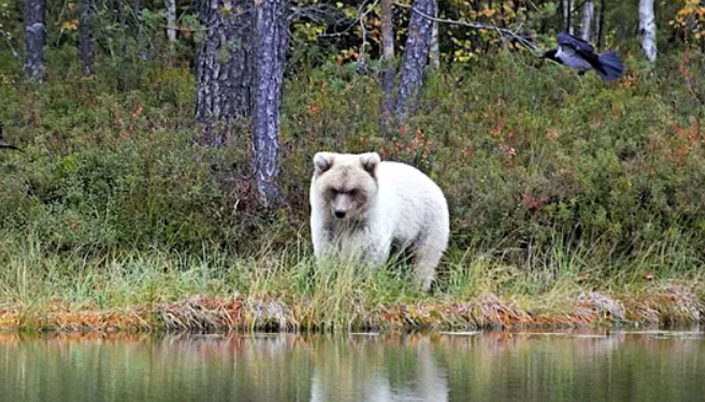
x=612, y=67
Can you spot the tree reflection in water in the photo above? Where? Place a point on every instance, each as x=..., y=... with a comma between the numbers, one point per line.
x=283, y=367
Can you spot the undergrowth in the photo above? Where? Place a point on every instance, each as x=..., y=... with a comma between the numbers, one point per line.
x=558, y=186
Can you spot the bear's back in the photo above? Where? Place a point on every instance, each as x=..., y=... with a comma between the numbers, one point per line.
x=405, y=178
x=411, y=200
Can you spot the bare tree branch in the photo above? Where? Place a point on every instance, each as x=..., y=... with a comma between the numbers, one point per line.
x=325, y=14
x=504, y=33
x=9, y=44
x=361, y=14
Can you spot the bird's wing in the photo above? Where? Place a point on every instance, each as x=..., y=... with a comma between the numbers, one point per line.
x=581, y=49
x=591, y=58
x=568, y=40
x=576, y=59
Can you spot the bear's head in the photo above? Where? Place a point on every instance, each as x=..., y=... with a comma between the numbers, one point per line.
x=346, y=183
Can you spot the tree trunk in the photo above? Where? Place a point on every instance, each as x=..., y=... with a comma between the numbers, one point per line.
x=567, y=6
x=223, y=66
x=415, y=56
x=647, y=29
x=138, y=14
x=35, y=37
x=434, y=57
x=170, y=6
x=588, y=15
x=270, y=42
x=85, y=36
x=122, y=76
x=388, y=71
x=600, y=25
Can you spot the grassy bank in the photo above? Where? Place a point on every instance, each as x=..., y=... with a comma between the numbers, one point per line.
x=284, y=291
x=572, y=201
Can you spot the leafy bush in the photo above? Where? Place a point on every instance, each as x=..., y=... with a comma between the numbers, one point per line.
x=531, y=157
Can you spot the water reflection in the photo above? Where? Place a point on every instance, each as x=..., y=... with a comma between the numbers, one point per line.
x=650, y=366
x=382, y=369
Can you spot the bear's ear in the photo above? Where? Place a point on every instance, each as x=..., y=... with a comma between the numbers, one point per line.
x=322, y=161
x=370, y=161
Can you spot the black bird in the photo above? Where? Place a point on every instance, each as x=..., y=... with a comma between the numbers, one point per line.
x=579, y=55
x=4, y=145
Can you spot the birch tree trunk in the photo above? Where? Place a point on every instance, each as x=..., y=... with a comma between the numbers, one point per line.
x=434, y=57
x=85, y=36
x=588, y=16
x=388, y=71
x=415, y=56
x=270, y=42
x=170, y=6
x=223, y=65
x=35, y=37
x=647, y=29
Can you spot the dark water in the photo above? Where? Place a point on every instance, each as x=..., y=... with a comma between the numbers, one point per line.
x=487, y=367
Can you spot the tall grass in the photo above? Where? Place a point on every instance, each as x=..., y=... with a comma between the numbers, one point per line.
x=284, y=289
x=557, y=186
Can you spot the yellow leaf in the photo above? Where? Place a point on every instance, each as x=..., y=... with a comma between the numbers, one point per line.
x=70, y=25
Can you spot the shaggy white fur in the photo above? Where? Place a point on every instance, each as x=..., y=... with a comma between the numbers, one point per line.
x=360, y=205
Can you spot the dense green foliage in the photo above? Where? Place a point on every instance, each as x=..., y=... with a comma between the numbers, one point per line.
x=533, y=160
x=556, y=183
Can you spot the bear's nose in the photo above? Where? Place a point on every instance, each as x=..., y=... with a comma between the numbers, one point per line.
x=339, y=213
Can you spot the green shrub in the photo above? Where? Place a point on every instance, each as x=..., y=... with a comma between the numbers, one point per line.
x=530, y=157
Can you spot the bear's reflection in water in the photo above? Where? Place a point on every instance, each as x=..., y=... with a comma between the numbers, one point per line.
x=368, y=372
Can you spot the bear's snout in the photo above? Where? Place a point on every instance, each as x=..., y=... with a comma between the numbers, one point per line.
x=342, y=204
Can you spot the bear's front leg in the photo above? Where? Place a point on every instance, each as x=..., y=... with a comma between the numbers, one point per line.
x=324, y=246
x=377, y=251
x=323, y=250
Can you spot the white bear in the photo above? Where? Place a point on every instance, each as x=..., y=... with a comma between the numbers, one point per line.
x=360, y=206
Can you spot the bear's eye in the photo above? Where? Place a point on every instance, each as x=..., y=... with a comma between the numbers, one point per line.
x=352, y=192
